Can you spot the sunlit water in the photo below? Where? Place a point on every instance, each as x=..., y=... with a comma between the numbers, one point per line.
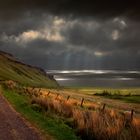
x=97, y=78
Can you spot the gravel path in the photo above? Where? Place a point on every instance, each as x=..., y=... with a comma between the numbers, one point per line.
x=13, y=126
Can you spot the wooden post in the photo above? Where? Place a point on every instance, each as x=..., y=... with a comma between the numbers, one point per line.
x=40, y=93
x=57, y=96
x=39, y=90
x=33, y=88
x=48, y=93
x=24, y=90
x=132, y=114
x=68, y=97
x=27, y=91
x=82, y=101
x=104, y=105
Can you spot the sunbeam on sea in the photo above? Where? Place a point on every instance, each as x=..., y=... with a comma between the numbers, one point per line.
x=97, y=78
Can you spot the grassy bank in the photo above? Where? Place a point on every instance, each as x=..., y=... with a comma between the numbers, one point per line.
x=46, y=122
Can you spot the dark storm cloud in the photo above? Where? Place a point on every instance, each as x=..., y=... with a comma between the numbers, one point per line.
x=36, y=52
x=99, y=36
x=28, y=20
x=87, y=33
x=68, y=34
x=98, y=8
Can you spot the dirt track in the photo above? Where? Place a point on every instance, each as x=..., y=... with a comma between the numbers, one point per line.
x=13, y=126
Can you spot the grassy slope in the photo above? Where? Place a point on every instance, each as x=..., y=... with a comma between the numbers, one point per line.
x=10, y=70
x=45, y=122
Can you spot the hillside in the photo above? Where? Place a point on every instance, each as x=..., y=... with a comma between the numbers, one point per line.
x=12, y=69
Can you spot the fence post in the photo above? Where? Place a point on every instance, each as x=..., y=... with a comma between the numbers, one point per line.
x=68, y=97
x=48, y=93
x=33, y=89
x=82, y=101
x=39, y=90
x=27, y=91
x=57, y=96
x=132, y=114
x=104, y=105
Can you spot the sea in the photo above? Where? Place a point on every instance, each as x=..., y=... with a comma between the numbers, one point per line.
x=97, y=78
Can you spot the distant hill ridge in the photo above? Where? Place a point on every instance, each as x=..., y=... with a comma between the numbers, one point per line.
x=16, y=61
x=12, y=69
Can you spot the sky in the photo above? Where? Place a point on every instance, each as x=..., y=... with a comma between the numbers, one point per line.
x=72, y=35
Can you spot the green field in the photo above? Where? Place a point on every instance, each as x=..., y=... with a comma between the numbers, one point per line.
x=90, y=90
x=130, y=95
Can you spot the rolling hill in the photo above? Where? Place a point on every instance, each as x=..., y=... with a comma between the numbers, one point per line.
x=12, y=69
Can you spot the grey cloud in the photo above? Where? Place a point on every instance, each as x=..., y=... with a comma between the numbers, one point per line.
x=27, y=21
x=87, y=32
x=100, y=37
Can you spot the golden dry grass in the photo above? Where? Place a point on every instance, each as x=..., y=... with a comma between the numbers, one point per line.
x=90, y=121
